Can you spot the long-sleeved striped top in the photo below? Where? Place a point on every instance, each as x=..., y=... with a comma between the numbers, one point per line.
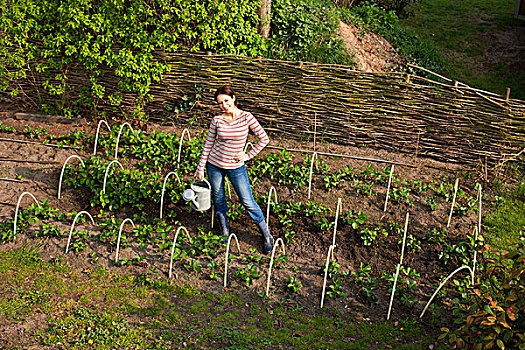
x=225, y=140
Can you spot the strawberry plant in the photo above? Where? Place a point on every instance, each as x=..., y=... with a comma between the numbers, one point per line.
x=248, y=273
x=7, y=129
x=293, y=284
x=48, y=230
x=354, y=219
x=34, y=133
x=366, y=283
x=79, y=240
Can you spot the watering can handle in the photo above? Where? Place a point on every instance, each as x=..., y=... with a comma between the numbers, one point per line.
x=209, y=185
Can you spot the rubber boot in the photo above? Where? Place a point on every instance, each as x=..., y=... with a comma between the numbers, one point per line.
x=268, y=239
x=225, y=228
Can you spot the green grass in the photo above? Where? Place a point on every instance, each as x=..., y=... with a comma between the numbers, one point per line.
x=506, y=221
x=101, y=310
x=459, y=29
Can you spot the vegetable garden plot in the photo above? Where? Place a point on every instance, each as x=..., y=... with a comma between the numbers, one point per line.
x=366, y=247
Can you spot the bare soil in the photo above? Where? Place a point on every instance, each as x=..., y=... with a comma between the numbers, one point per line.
x=372, y=52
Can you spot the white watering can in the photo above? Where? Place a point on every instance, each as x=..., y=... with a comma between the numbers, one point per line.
x=199, y=194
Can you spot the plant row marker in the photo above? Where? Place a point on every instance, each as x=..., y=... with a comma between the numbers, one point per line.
x=388, y=188
x=268, y=205
x=185, y=131
x=329, y=257
x=98, y=131
x=16, y=211
x=107, y=171
x=73, y=226
x=398, y=267
x=445, y=281
x=271, y=262
x=453, y=201
x=173, y=246
x=339, y=208
x=120, y=233
x=64, y=168
x=393, y=292
x=314, y=157
x=228, y=253
x=120, y=133
x=164, y=187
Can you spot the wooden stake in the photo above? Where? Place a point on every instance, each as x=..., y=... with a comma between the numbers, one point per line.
x=417, y=144
x=315, y=127
x=486, y=170
x=507, y=94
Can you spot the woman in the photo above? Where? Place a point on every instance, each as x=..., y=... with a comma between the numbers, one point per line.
x=223, y=155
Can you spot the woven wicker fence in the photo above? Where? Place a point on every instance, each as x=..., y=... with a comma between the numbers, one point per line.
x=441, y=119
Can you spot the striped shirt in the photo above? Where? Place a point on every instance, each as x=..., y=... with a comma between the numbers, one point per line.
x=225, y=140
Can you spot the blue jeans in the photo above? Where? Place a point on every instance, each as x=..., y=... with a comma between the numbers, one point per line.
x=239, y=179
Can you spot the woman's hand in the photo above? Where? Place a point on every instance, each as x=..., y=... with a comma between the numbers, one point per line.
x=199, y=175
x=240, y=157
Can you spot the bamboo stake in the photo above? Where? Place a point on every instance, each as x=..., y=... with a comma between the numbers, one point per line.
x=12, y=180
x=453, y=201
x=37, y=143
x=388, y=187
x=417, y=144
x=315, y=128
x=28, y=161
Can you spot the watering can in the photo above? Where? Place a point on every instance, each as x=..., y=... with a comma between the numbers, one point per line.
x=199, y=194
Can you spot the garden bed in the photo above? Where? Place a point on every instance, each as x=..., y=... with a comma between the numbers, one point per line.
x=368, y=239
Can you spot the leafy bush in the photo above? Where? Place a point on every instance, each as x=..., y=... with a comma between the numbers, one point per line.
x=49, y=37
x=400, y=7
x=306, y=30
x=496, y=308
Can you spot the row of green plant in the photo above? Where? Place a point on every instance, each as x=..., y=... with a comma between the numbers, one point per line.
x=158, y=233
x=142, y=188
x=200, y=256
x=154, y=153
x=159, y=148
x=74, y=138
x=283, y=169
x=499, y=325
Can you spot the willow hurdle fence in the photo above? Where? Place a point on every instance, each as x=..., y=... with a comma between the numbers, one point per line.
x=441, y=119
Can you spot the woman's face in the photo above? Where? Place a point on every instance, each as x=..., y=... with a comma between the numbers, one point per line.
x=226, y=103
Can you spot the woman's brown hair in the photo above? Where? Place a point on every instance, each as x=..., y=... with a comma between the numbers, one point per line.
x=226, y=90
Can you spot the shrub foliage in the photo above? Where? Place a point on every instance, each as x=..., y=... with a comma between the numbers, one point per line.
x=495, y=316
x=48, y=37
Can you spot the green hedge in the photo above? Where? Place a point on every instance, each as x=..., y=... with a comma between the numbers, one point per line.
x=48, y=37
